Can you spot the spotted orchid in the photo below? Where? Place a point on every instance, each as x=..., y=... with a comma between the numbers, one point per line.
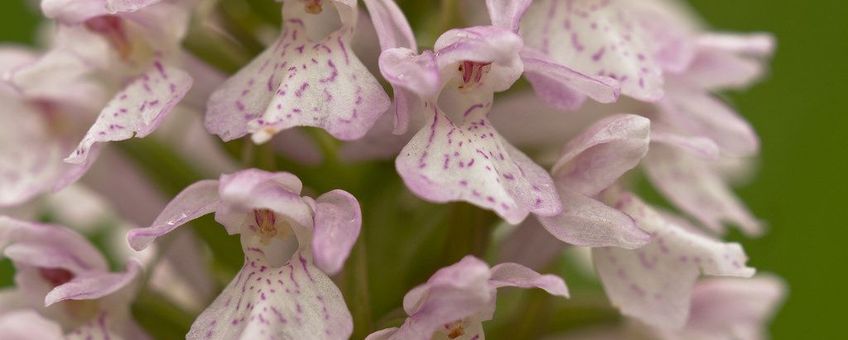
x=64, y=284
x=308, y=77
x=458, y=155
x=456, y=300
x=689, y=179
x=237, y=93
x=127, y=53
x=291, y=243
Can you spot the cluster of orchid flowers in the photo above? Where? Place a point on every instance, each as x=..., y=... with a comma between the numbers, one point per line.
x=616, y=88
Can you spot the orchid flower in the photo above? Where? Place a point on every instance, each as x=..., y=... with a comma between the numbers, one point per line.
x=128, y=56
x=725, y=308
x=654, y=283
x=647, y=262
x=64, y=284
x=459, y=155
x=291, y=243
x=687, y=179
x=308, y=77
x=456, y=300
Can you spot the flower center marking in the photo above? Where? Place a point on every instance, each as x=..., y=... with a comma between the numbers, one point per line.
x=112, y=28
x=472, y=73
x=314, y=6
x=455, y=329
x=266, y=225
x=56, y=276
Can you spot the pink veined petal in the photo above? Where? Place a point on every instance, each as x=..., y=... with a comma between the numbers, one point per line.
x=507, y=13
x=247, y=190
x=59, y=76
x=451, y=294
x=516, y=275
x=595, y=159
x=299, y=82
x=93, y=285
x=482, y=44
x=562, y=87
x=701, y=147
x=728, y=60
x=194, y=201
x=732, y=308
x=416, y=73
x=137, y=110
x=59, y=240
x=697, y=190
x=596, y=39
x=587, y=222
x=77, y=11
x=698, y=113
x=28, y=324
x=338, y=219
x=295, y=301
x=445, y=162
x=654, y=283
x=392, y=28
x=26, y=172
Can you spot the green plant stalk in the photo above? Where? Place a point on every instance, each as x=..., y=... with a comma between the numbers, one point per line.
x=160, y=317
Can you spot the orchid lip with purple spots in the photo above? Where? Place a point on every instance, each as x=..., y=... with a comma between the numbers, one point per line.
x=459, y=155
x=58, y=267
x=306, y=78
x=456, y=300
x=291, y=244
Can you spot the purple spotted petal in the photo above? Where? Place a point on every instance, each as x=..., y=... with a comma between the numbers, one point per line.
x=137, y=110
x=194, y=201
x=95, y=285
x=587, y=222
x=516, y=275
x=77, y=11
x=697, y=189
x=294, y=301
x=507, y=13
x=563, y=87
x=471, y=162
x=299, y=82
x=28, y=324
x=597, y=39
x=698, y=113
x=654, y=283
x=337, y=222
x=596, y=158
x=452, y=293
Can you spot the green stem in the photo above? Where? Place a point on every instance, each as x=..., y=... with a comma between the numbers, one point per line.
x=160, y=317
x=471, y=232
x=357, y=282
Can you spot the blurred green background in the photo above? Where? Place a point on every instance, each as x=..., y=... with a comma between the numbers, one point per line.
x=797, y=113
